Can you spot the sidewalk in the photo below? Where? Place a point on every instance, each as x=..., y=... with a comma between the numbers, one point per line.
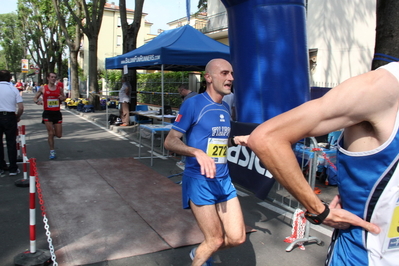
x=101, y=117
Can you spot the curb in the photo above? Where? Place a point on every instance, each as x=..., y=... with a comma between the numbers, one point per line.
x=115, y=129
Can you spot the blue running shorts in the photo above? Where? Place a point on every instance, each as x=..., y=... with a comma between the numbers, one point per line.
x=206, y=191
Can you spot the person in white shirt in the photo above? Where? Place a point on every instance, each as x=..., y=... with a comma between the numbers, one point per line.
x=10, y=98
x=124, y=99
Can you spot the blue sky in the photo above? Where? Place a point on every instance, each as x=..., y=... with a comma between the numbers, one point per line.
x=159, y=12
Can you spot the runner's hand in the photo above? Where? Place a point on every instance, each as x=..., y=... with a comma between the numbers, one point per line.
x=343, y=219
x=241, y=140
x=207, y=164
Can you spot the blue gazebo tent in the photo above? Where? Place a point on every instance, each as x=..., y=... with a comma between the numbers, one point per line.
x=180, y=49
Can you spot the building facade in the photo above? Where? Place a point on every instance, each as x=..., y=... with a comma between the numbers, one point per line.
x=340, y=37
x=110, y=40
x=197, y=21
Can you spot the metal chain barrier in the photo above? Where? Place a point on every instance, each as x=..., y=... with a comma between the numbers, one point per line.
x=43, y=209
x=50, y=241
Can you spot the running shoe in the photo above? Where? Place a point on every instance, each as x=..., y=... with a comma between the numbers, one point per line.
x=1, y=172
x=192, y=255
x=14, y=173
x=52, y=155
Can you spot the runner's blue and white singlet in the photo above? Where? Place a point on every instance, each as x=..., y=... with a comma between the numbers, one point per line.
x=207, y=127
x=368, y=184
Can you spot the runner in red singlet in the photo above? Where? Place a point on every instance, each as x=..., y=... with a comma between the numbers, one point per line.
x=52, y=96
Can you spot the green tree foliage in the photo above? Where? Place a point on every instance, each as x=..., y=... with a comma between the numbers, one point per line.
x=2, y=60
x=42, y=35
x=73, y=35
x=11, y=42
x=113, y=78
x=130, y=32
x=149, y=88
x=93, y=14
x=202, y=5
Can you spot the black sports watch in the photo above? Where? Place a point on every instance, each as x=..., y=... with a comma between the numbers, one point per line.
x=318, y=219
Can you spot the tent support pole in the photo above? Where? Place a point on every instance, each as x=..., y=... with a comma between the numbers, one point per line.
x=106, y=99
x=162, y=98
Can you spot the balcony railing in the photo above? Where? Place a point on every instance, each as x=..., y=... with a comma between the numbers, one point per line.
x=216, y=22
x=208, y=24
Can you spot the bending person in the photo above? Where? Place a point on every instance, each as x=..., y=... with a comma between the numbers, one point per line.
x=366, y=211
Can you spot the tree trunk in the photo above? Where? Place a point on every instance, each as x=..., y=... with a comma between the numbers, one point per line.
x=59, y=65
x=93, y=83
x=130, y=33
x=387, y=33
x=73, y=42
x=73, y=68
x=51, y=66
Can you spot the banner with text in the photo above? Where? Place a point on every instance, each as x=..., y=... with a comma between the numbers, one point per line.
x=245, y=167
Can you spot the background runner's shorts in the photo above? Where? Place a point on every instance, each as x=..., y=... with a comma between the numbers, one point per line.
x=206, y=191
x=52, y=116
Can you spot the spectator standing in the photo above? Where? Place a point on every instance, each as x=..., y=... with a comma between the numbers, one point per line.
x=207, y=187
x=202, y=88
x=124, y=100
x=185, y=93
x=53, y=95
x=9, y=99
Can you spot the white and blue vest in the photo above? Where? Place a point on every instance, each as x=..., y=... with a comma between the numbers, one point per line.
x=368, y=184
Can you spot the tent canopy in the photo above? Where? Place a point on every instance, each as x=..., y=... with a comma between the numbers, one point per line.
x=181, y=49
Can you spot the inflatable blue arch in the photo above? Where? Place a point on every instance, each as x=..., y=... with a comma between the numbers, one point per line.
x=269, y=56
x=270, y=61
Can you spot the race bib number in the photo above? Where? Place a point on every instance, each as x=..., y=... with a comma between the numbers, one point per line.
x=392, y=240
x=53, y=103
x=217, y=149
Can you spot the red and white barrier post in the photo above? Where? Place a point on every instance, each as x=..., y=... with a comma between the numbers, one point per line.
x=19, y=152
x=32, y=207
x=33, y=256
x=24, y=156
x=21, y=144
